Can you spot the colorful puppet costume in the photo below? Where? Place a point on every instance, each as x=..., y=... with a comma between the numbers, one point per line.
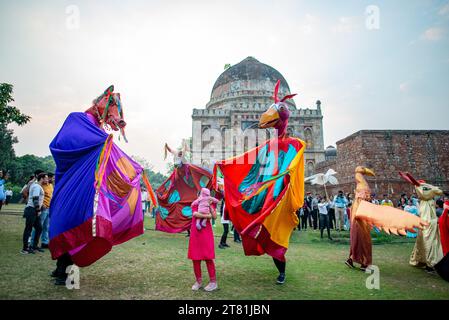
x=264, y=189
x=177, y=193
x=265, y=186
x=96, y=202
x=443, y=223
x=365, y=215
x=429, y=250
x=442, y=267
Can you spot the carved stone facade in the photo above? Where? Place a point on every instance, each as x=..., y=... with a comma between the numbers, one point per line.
x=239, y=97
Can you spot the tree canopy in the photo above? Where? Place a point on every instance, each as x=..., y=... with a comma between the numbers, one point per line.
x=8, y=115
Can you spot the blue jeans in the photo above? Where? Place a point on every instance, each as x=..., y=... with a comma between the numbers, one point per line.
x=45, y=222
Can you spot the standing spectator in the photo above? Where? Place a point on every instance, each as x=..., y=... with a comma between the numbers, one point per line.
x=24, y=192
x=8, y=194
x=315, y=211
x=32, y=212
x=403, y=201
x=236, y=235
x=374, y=199
x=415, y=200
x=2, y=189
x=26, y=189
x=44, y=217
x=299, y=214
x=348, y=211
x=144, y=199
x=411, y=208
x=341, y=204
x=308, y=202
x=386, y=201
x=225, y=223
x=332, y=221
x=305, y=215
x=439, y=207
x=324, y=217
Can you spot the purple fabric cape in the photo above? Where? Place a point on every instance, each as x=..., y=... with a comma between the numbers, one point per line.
x=83, y=222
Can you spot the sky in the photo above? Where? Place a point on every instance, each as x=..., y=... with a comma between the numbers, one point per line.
x=372, y=64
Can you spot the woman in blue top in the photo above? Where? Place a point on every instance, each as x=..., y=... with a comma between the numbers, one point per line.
x=2, y=189
x=411, y=208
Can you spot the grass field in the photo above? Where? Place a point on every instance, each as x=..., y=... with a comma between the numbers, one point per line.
x=154, y=266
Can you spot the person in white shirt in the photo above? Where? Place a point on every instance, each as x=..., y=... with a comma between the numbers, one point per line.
x=324, y=217
x=32, y=212
x=144, y=196
x=8, y=194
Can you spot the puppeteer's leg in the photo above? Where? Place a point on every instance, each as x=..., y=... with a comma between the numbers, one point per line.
x=280, y=265
x=61, y=268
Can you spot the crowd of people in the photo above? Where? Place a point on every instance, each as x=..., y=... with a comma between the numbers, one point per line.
x=320, y=212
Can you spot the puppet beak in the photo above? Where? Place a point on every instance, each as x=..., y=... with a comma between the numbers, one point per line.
x=369, y=172
x=269, y=118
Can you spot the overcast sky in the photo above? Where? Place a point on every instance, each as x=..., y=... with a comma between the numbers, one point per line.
x=164, y=57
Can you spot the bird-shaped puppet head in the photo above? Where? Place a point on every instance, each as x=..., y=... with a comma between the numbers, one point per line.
x=424, y=190
x=277, y=114
x=365, y=171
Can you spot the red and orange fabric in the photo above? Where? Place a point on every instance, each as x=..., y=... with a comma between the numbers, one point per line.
x=177, y=193
x=443, y=223
x=264, y=188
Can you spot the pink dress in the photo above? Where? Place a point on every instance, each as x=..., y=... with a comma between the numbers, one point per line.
x=201, y=242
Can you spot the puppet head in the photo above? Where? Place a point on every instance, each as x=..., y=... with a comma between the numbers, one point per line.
x=277, y=114
x=108, y=110
x=365, y=171
x=424, y=190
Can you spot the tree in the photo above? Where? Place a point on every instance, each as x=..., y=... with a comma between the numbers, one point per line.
x=23, y=167
x=155, y=178
x=8, y=115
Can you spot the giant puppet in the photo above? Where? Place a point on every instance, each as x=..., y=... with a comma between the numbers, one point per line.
x=428, y=250
x=264, y=188
x=97, y=197
x=176, y=194
x=365, y=215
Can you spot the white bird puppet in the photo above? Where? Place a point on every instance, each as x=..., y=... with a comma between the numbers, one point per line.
x=323, y=179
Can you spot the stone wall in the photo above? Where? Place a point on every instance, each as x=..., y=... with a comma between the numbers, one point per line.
x=422, y=153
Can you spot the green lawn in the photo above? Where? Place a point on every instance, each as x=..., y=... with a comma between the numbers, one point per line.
x=154, y=266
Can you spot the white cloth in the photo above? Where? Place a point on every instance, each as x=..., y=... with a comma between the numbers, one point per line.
x=322, y=208
x=36, y=191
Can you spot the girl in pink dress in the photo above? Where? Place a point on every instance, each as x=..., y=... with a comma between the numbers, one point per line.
x=201, y=246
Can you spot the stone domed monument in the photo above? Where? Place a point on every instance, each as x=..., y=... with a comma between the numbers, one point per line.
x=239, y=96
